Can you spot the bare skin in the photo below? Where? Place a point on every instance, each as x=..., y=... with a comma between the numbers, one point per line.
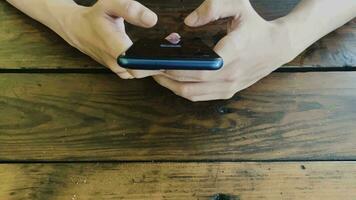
x=252, y=48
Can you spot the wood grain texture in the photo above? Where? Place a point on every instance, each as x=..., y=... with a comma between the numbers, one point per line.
x=217, y=181
x=71, y=117
x=25, y=43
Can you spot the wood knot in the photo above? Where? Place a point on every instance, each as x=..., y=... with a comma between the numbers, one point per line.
x=221, y=196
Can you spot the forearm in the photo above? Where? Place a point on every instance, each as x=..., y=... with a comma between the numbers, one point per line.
x=49, y=12
x=312, y=19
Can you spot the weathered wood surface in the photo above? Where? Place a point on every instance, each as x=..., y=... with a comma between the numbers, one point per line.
x=25, y=43
x=71, y=117
x=216, y=181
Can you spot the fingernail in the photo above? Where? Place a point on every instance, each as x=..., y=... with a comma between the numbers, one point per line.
x=149, y=18
x=192, y=19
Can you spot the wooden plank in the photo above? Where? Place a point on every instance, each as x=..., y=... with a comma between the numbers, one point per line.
x=217, y=181
x=25, y=43
x=287, y=116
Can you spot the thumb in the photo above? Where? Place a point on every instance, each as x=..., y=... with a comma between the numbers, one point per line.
x=212, y=10
x=132, y=11
x=226, y=48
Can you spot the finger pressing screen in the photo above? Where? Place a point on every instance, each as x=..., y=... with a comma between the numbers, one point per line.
x=212, y=10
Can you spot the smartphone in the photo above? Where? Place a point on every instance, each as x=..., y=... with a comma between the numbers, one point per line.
x=158, y=54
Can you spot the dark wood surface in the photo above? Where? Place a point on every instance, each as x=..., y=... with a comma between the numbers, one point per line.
x=27, y=44
x=71, y=117
x=69, y=132
x=212, y=181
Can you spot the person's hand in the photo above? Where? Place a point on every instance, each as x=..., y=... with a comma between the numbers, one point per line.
x=99, y=31
x=252, y=49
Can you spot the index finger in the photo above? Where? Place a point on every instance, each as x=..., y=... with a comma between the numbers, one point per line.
x=132, y=11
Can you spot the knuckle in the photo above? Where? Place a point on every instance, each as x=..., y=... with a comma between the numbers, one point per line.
x=137, y=74
x=194, y=99
x=184, y=91
x=134, y=74
x=211, y=6
x=228, y=96
x=132, y=7
x=115, y=68
x=123, y=76
x=231, y=95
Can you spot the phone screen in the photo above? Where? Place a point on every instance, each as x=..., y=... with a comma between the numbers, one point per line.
x=185, y=49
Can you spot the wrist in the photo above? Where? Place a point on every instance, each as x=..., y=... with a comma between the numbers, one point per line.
x=298, y=36
x=283, y=41
x=313, y=19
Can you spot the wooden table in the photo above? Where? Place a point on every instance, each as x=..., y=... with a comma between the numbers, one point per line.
x=70, y=129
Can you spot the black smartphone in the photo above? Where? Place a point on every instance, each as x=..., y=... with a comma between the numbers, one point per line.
x=157, y=54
